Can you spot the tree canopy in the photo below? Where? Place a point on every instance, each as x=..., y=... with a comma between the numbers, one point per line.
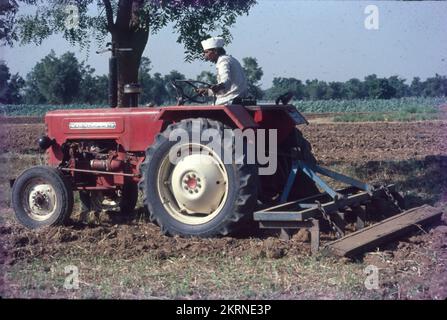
x=254, y=73
x=192, y=19
x=10, y=86
x=63, y=79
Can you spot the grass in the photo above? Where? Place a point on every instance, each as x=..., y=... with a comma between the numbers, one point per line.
x=184, y=278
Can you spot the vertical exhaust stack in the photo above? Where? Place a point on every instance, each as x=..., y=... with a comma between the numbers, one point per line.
x=113, y=81
x=132, y=90
x=113, y=74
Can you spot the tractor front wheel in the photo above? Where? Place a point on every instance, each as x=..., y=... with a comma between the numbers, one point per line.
x=42, y=196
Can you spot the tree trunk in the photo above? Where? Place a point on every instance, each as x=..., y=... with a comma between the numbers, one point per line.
x=127, y=32
x=128, y=62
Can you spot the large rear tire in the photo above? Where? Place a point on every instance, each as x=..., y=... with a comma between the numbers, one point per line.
x=199, y=194
x=42, y=196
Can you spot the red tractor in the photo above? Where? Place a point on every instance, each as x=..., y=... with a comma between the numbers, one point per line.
x=108, y=154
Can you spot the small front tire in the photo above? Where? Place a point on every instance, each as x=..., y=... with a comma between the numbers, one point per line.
x=42, y=196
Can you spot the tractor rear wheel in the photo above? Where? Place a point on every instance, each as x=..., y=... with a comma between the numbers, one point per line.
x=197, y=194
x=42, y=196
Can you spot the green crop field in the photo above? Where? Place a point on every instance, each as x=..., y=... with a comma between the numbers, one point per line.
x=372, y=105
x=39, y=110
x=407, y=105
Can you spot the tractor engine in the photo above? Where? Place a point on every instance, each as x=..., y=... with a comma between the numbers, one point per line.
x=98, y=164
x=95, y=155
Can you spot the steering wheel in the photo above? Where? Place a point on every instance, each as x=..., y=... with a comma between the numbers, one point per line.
x=185, y=90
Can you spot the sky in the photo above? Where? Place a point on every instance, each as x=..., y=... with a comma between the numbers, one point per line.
x=325, y=40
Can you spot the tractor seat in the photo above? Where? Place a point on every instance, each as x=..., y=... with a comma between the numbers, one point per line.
x=249, y=101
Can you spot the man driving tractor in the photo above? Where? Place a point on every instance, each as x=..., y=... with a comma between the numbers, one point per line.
x=231, y=81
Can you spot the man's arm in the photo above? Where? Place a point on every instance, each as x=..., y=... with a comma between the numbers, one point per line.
x=223, y=74
x=217, y=87
x=211, y=91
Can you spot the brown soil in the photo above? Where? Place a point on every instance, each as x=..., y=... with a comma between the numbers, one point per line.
x=20, y=119
x=130, y=236
x=376, y=141
x=417, y=266
x=20, y=138
x=339, y=142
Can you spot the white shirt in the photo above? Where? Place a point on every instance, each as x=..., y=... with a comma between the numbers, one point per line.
x=231, y=74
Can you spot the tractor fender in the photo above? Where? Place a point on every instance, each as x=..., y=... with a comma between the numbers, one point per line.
x=231, y=115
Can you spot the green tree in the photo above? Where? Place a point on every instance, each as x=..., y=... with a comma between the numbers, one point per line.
x=32, y=90
x=128, y=23
x=435, y=86
x=416, y=87
x=355, y=89
x=208, y=77
x=144, y=78
x=16, y=84
x=173, y=75
x=284, y=85
x=371, y=86
x=153, y=88
x=10, y=86
x=57, y=80
x=8, y=10
x=400, y=87
x=156, y=89
x=317, y=90
x=254, y=73
x=92, y=89
x=338, y=90
x=157, y=92
x=4, y=78
x=378, y=88
x=386, y=91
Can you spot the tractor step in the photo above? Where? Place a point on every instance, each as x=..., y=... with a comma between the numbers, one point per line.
x=383, y=231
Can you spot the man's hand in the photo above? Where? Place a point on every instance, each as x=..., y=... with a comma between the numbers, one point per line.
x=217, y=87
x=202, y=91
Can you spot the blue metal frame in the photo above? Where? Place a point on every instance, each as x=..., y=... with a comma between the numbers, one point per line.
x=345, y=179
x=312, y=174
x=312, y=170
x=290, y=181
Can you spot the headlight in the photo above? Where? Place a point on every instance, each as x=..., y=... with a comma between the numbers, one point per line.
x=45, y=142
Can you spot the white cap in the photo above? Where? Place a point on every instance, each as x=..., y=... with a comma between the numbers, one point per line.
x=213, y=42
